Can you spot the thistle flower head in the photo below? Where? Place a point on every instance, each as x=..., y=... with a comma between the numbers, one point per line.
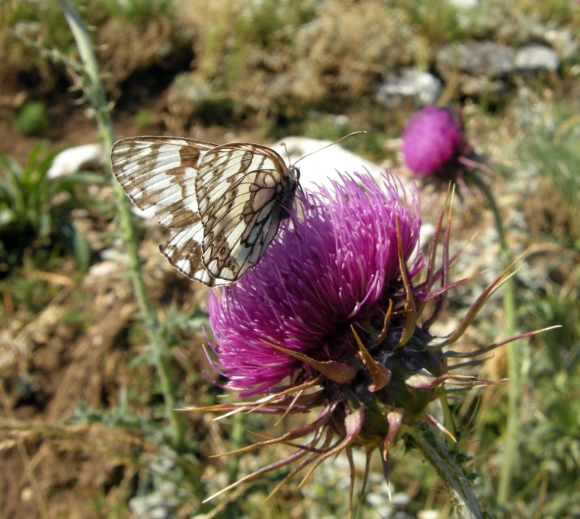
x=333, y=318
x=432, y=140
x=339, y=267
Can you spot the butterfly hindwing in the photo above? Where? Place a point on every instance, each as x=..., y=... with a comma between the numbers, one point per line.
x=183, y=250
x=239, y=189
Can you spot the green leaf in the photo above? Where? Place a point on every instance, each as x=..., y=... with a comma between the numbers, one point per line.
x=76, y=244
x=12, y=184
x=67, y=183
x=44, y=222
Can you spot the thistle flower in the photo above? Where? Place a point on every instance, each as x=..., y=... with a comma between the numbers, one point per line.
x=435, y=148
x=330, y=318
x=337, y=269
x=432, y=140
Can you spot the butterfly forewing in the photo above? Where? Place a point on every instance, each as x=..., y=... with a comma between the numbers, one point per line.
x=158, y=174
x=239, y=188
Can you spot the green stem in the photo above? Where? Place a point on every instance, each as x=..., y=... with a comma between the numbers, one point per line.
x=438, y=454
x=96, y=95
x=510, y=453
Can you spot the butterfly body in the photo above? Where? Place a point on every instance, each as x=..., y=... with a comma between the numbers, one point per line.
x=222, y=203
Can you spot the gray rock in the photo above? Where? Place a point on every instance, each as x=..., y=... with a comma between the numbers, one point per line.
x=401, y=499
x=157, y=505
x=424, y=87
x=562, y=41
x=486, y=58
x=146, y=507
x=536, y=57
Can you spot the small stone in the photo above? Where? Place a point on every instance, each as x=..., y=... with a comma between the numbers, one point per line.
x=537, y=57
x=562, y=41
x=138, y=506
x=464, y=4
x=428, y=514
x=411, y=82
x=401, y=499
x=340, y=121
x=380, y=504
x=486, y=58
x=186, y=95
x=158, y=513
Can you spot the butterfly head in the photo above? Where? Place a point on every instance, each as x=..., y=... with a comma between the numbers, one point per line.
x=294, y=174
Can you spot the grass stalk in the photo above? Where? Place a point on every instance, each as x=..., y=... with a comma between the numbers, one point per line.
x=510, y=450
x=93, y=89
x=28, y=466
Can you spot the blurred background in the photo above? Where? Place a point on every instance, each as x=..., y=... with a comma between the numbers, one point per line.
x=84, y=430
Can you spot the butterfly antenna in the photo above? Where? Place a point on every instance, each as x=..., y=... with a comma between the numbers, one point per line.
x=286, y=150
x=359, y=132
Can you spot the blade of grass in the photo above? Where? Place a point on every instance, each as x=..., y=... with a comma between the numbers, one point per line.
x=513, y=361
x=28, y=469
x=94, y=91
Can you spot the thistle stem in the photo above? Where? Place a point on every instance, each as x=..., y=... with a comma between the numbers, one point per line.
x=93, y=89
x=441, y=458
x=510, y=452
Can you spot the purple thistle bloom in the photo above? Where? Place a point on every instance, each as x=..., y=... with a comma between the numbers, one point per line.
x=332, y=311
x=431, y=139
x=338, y=267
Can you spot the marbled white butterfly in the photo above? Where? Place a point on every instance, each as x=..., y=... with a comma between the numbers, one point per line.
x=223, y=204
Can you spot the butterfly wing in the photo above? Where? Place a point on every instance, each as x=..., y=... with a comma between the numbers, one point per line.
x=243, y=192
x=158, y=174
x=183, y=250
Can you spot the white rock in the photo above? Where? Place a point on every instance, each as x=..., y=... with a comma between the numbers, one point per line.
x=537, y=57
x=325, y=165
x=112, y=262
x=563, y=41
x=411, y=82
x=401, y=499
x=74, y=159
x=428, y=514
x=464, y=4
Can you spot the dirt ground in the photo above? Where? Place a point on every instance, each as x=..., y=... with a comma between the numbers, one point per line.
x=78, y=470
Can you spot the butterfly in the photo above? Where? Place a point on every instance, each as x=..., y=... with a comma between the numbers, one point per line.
x=223, y=204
